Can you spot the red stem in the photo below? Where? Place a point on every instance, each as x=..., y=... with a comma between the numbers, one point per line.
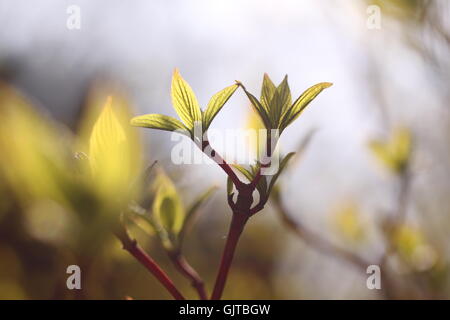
x=222, y=163
x=136, y=251
x=237, y=225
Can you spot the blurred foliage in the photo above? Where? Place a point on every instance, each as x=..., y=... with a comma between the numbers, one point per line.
x=349, y=224
x=395, y=152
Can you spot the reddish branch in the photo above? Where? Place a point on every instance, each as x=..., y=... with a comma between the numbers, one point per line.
x=136, y=251
x=236, y=227
x=241, y=213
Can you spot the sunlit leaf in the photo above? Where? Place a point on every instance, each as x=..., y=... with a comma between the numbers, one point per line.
x=258, y=108
x=301, y=103
x=113, y=148
x=158, y=121
x=284, y=93
x=184, y=101
x=216, y=103
x=267, y=93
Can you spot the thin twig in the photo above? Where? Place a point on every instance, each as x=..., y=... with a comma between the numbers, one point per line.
x=136, y=251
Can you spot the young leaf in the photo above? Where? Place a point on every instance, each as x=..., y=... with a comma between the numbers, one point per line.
x=158, y=121
x=275, y=109
x=259, y=108
x=301, y=103
x=285, y=95
x=267, y=91
x=216, y=103
x=283, y=164
x=184, y=101
x=167, y=206
x=193, y=212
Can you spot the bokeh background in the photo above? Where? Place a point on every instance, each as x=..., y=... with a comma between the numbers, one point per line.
x=384, y=78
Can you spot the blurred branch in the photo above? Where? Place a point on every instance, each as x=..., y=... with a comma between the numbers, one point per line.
x=315, y=241
x=136, y=251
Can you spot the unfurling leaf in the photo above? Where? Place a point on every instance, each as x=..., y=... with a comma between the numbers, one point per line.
x=184, y=101
x=216, y=103
x=301, y=103
x=158, y=121
x=167, y=206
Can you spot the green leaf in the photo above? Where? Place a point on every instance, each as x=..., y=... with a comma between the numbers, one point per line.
x=167, y=206
x=302, y=102
x=258, y=107
x=184, y=101
x=193, y=212
x=216, y=103
x=283, y=164
x=267, y=91
x=285, y=95
x=158, y=121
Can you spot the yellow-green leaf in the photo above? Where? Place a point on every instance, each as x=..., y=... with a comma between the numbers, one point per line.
x=284, y=93
x=259, y=108
x=184, y=101
x=167, y=206
x=267, y=91
x=301, y=103
x=158, y=121
x=216, y=103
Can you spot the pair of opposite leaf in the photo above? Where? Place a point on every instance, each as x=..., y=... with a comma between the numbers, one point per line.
x=275, y=106
x=187, y=108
